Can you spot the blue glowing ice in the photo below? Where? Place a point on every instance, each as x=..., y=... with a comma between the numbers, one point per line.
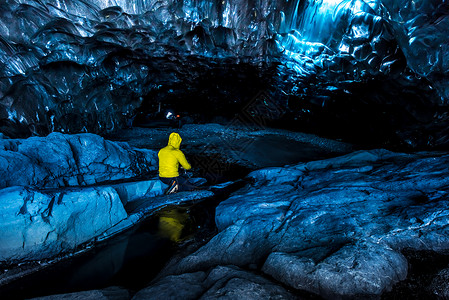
x=79, y=65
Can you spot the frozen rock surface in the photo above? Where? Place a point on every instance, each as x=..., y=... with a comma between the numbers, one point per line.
x=333, y=227
x=220, y=282
x=60, y=160
x=41, y=224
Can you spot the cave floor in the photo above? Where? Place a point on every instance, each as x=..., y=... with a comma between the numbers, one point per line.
x=249, y=147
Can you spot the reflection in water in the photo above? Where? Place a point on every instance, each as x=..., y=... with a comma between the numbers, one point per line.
x=172, y=224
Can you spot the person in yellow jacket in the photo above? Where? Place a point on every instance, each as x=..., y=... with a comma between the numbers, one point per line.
x=170, y=157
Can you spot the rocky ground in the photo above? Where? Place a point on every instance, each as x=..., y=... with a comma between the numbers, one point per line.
x=335, y=227
x=326, y=222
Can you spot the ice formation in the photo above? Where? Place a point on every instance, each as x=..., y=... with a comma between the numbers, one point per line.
x=85, y=65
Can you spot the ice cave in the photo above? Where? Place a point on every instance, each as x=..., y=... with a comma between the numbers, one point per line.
x=317, y=132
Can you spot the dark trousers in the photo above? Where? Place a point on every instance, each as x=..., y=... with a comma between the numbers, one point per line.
x=183, y=183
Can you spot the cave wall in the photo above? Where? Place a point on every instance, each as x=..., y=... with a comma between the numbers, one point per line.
x=328, y=66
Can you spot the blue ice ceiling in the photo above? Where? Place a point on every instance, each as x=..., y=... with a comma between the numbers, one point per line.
x=82, y=65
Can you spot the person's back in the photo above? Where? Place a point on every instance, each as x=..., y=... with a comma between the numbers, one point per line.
x=170, y=157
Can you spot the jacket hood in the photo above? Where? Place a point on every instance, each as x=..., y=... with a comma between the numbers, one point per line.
x=174, y=140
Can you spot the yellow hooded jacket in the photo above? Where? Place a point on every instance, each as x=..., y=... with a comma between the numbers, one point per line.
x=170, y=157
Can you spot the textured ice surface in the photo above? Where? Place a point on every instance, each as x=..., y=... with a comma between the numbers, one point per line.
x=70, y=160
x=39, y=224
x=76, y=66
x=334, y=227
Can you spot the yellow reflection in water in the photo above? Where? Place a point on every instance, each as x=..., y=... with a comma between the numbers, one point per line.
x=172, y=223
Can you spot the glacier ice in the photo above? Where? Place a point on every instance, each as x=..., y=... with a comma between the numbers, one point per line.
x=45, y=224
x=85, y=65
x=50, y=194
x=70, y=160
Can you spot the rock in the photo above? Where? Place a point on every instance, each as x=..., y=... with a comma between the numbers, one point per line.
x=234, y=283
x=220, y=282
x=334, y=227
x=70, y=160
x=133, y=191
x=440, y=285
x=111, y=293
x=41, y=224
x=187, y=286
x=353, y=270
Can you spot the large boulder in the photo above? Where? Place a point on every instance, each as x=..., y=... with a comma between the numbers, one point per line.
x=70, y=160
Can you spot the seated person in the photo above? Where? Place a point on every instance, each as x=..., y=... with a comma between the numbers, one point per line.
x=170, y=157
